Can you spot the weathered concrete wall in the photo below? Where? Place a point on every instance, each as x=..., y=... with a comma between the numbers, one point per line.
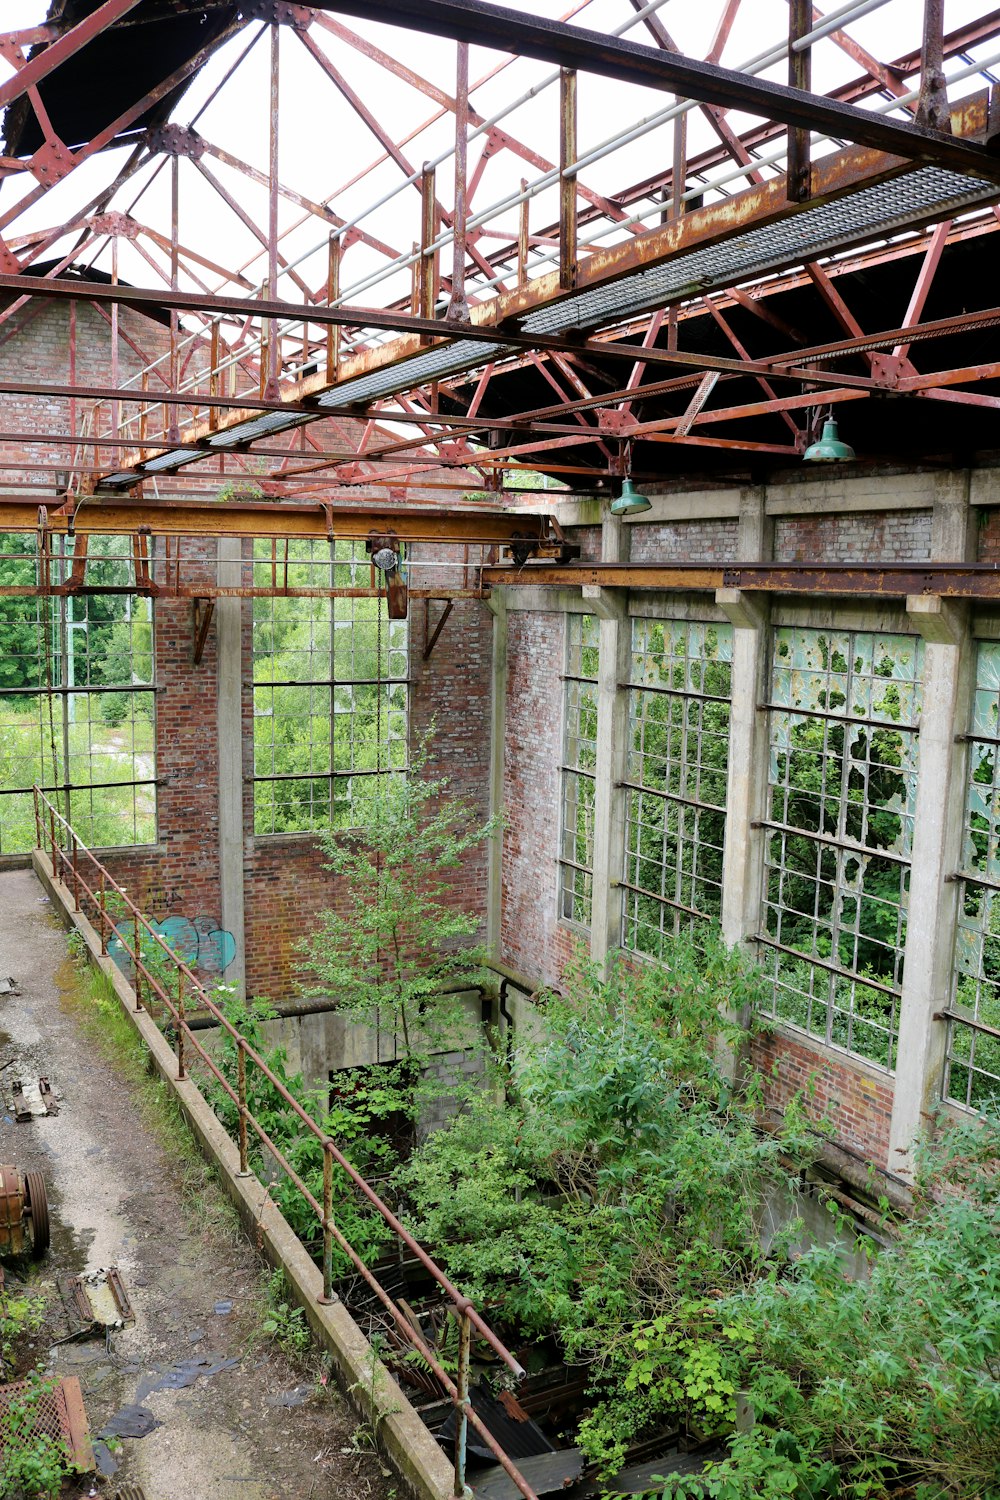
x=918, y=517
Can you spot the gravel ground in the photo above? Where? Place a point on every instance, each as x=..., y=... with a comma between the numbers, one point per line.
x=259, y=1428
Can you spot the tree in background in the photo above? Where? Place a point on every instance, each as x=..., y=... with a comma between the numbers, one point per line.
x=399, y=948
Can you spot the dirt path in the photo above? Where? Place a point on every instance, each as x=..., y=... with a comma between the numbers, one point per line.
x=258, y=1428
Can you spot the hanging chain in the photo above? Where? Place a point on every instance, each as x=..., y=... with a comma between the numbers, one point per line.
x=378, y=681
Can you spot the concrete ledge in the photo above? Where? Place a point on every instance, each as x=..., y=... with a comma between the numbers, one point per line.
x=402, y=1436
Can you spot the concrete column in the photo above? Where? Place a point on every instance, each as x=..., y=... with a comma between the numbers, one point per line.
x=498, y=723
x=932, y=915
x=746, y=791
x=610, y=606
x=229, y=645
x=953, y=521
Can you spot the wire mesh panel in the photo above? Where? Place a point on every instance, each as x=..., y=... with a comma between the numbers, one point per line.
x=576, y=829
x=972, y=1059
x=329, y=690
x=675, y=817
x=77, y=700
x=842, y=776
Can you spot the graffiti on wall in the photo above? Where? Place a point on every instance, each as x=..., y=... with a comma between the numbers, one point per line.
x=198, y=941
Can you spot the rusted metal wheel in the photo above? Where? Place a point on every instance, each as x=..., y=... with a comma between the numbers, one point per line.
x=38, y=1211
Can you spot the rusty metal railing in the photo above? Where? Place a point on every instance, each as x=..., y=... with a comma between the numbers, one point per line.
x=72, y=861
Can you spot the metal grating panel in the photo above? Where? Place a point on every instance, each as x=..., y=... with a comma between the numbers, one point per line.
x=255, y=427
x=444, y=359
x=27, y=1410
x=871, y=212
x=578, y=784
x=172, y=460
x=842, y=777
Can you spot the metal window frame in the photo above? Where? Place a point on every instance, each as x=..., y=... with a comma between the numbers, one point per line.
x=683, y=875
x=840, y=900
x=62, y=634
x=577, y=783
x=970, y=1035
x=331, y=777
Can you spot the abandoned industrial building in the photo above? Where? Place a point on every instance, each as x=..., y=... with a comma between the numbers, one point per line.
x=499, y=749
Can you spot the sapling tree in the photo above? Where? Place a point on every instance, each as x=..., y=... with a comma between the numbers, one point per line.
x=400, y=946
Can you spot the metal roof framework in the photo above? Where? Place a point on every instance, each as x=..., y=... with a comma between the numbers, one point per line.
x=328, y=319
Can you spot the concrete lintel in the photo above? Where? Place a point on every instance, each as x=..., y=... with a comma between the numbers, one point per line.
x=832, y=494
x=533, y=599
x=366, y=1382
x=984, y=487
x=941, y=621
x=659, y=604
x=743, y=611
x=605, y=603
x=579, y=512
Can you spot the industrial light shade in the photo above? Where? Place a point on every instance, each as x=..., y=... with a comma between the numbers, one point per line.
x=829, y=449
x=630, y=502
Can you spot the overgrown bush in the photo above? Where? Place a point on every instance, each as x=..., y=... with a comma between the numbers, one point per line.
x=617, y=1200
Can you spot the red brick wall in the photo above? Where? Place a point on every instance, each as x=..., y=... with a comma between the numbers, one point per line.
x=989, y=536
x=684, y=541
x=854, y=537
x=533, y=939
x=179, y=875
x=854, y=1100
x=284, y=881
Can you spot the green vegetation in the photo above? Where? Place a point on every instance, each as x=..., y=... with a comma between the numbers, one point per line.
x=33, y=1464
x=21, y=1313
x=396, y=954
x=615, y=1201
x=396, y=950
x=283, y=1323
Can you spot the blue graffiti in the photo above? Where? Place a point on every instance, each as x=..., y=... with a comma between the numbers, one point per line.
x=199, y=942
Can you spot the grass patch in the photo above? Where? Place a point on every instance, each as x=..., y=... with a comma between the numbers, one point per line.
x=95, y=1003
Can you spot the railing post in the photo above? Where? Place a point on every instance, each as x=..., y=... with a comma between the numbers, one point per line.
x=137, y=961
x=462, y=1398
x=38, y=819
x=241, y=1085
x=103, y=914
x=327, y=1296
x=52, y=841
x=76, y=875
x=180, y=1024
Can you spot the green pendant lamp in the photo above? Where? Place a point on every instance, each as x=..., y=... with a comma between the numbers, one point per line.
x=829, y=449
x=630, y=502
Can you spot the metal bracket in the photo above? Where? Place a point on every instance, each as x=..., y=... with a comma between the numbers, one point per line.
x=432, y=638
x=140, y=562
x=202, y=611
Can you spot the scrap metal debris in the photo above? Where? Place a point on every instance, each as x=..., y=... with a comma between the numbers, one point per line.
x=96, y=1301
x=130, y=1422
x=29, y=1099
